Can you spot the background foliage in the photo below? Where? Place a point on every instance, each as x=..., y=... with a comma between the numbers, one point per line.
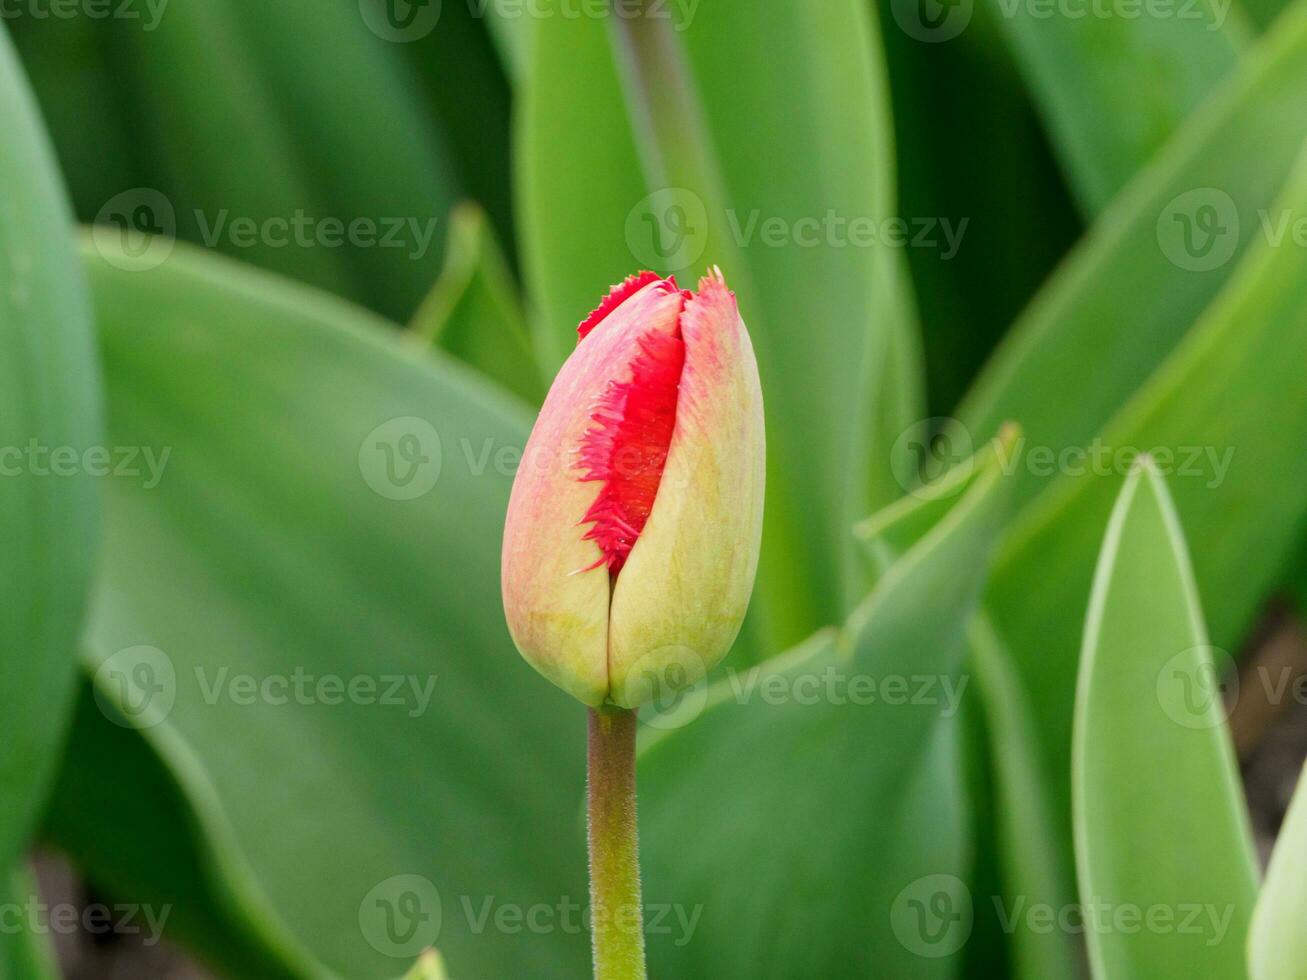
x=332, y=253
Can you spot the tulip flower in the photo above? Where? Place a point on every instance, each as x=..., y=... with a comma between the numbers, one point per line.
x=632, y=542
x=633, y=529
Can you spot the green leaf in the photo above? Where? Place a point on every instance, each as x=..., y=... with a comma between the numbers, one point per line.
x=1113, y=89
x=165, y=840
x=51, y=447
x=332, y=130
x=992, y=230
x=1031, y=861
x=1276, y=948
x=474, y=313
x=670, y=177
x=25, y=952
x=331, y=509
x=1218, y=414
x=855, y=833
x=1161, y=829
x=1128, y=294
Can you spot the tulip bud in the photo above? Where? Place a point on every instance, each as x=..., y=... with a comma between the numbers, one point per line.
x=633, y=529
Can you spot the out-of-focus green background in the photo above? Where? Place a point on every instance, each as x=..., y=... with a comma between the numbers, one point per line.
x=1081, y=215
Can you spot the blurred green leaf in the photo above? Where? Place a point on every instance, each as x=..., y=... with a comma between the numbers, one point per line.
x=1031, y=861
x=1112, y=89
x=992, y=230
x=50, y=446
x=329, y=517
x=135, y=811
x=73, y=71
x=859, y=841
x=1276, y=942
x=741, y=129
x=25, y=952
x=291, y=135
x=463, y=78
x=473, y=312
x=1133, y=288
x=1163, y=847
x=1218, y=414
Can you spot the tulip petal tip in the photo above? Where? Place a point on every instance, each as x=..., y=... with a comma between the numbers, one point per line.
x=614, y=298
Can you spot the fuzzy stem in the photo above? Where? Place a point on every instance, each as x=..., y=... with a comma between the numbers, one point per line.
x=617, y=921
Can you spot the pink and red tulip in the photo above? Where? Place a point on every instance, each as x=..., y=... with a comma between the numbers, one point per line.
x=633, y=529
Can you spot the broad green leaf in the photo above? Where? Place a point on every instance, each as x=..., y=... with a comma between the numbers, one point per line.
x=25, y=952
x=1219, y=415
x=164, y=842
x=862, y=792
x=1163, y=847
x=1133, y=288
x=641, y=143
x=1030, y=863
x=50, y=451
x=330, y=510
x=1276, y=947
x=1114, y=88
x=315, y=156
x=474, y=313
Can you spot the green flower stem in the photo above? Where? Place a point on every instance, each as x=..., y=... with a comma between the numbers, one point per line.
x=616, y=915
